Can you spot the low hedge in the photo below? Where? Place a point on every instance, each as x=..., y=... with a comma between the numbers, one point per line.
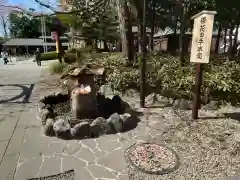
x=49, y=56
x=57, y=67
x=166, y=76
x=70, y=57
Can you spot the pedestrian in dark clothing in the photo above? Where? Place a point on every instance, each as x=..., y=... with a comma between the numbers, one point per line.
x=4, y=56
x=38, y=57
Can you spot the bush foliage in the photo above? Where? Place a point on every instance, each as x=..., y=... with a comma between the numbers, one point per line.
x=166, y=76
x=49, y=56
x=57, y=67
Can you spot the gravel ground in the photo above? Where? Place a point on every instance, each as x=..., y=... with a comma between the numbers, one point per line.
x=63, y=110
x=208, y=148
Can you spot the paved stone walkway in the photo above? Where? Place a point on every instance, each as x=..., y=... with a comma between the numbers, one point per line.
x=26, y=153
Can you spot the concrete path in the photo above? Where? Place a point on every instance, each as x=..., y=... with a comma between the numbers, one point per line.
x=26, y=153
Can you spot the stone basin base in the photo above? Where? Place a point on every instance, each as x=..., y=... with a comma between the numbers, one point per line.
x=113, y=116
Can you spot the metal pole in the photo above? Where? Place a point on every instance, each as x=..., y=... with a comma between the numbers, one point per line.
x=45, y=34
x=197, y=98
x=143, y=60
x=43, y=39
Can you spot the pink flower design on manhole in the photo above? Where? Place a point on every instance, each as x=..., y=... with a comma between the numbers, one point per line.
x=152, y=158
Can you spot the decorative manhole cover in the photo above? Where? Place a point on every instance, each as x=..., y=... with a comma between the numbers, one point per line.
x=152, y=158
x=68, y=175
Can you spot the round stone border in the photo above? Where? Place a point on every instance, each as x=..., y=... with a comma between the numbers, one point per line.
x=160, y=172
x=54, y=126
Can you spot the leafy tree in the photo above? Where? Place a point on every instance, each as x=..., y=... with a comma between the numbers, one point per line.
x=24, y=26
x=99, y=24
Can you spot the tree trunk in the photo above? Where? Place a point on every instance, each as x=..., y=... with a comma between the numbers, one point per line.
x=105, y=46
x=140, y=35
x=152, y=24
x=234, y=48
x=140, y=30
x=122, y=26
x=129, y=33
x=225, y=38
x=230, y=42
x=182, y=37
x=89, y=42
x=218, y=38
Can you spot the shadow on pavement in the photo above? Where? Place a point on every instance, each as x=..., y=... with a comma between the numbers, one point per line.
x=25, y=94
x=235, y=116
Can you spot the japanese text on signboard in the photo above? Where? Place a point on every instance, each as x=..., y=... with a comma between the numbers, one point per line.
x=200, y=41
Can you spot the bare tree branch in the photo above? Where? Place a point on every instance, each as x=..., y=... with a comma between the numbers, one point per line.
x=45, y=5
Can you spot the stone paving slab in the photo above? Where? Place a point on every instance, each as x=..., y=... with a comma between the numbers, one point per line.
x=16, y=141
x=3, y=147
x=31, y=154
x=8, y=166
x=7, y=126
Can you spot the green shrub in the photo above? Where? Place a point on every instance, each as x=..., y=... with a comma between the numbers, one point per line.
x=166, y=76
x=49, y=56
x=57, y=67
x=70, y=57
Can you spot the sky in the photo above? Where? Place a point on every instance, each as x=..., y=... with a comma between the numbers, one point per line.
x=26, y=4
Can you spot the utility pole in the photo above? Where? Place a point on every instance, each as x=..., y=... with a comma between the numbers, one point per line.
x=143, y=60
x=43, y=27
x=45, y=34
x=43, y=30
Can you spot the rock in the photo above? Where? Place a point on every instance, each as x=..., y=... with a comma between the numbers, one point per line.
x=41, y=105
x=115, y=122
x=125, y=117
x=100, y=99
x=104, y=106
x=129, y=121
x=99, y=127
x=51, y=99
x=106, y=90
x=164, y=100
x=212, y=105
x=124, y=106
x=61, y=97
x=81, y=130
x=183, y=104
x=116, y=104
x=57, y=93
x=42, y=99
x=150, y=99
x=44, y=115
x=49, y=108
x=62, y=128
x=48, y=128
x=131, y=93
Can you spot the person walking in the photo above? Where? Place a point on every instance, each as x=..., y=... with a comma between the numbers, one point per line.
x=4, y=56
x=38, y=56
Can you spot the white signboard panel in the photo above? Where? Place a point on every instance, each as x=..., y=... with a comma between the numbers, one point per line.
x=202, y=37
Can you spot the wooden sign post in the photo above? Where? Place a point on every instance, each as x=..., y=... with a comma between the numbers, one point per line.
x=200, y=51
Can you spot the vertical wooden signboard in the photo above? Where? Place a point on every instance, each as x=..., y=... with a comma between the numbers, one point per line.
x=200, y=51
